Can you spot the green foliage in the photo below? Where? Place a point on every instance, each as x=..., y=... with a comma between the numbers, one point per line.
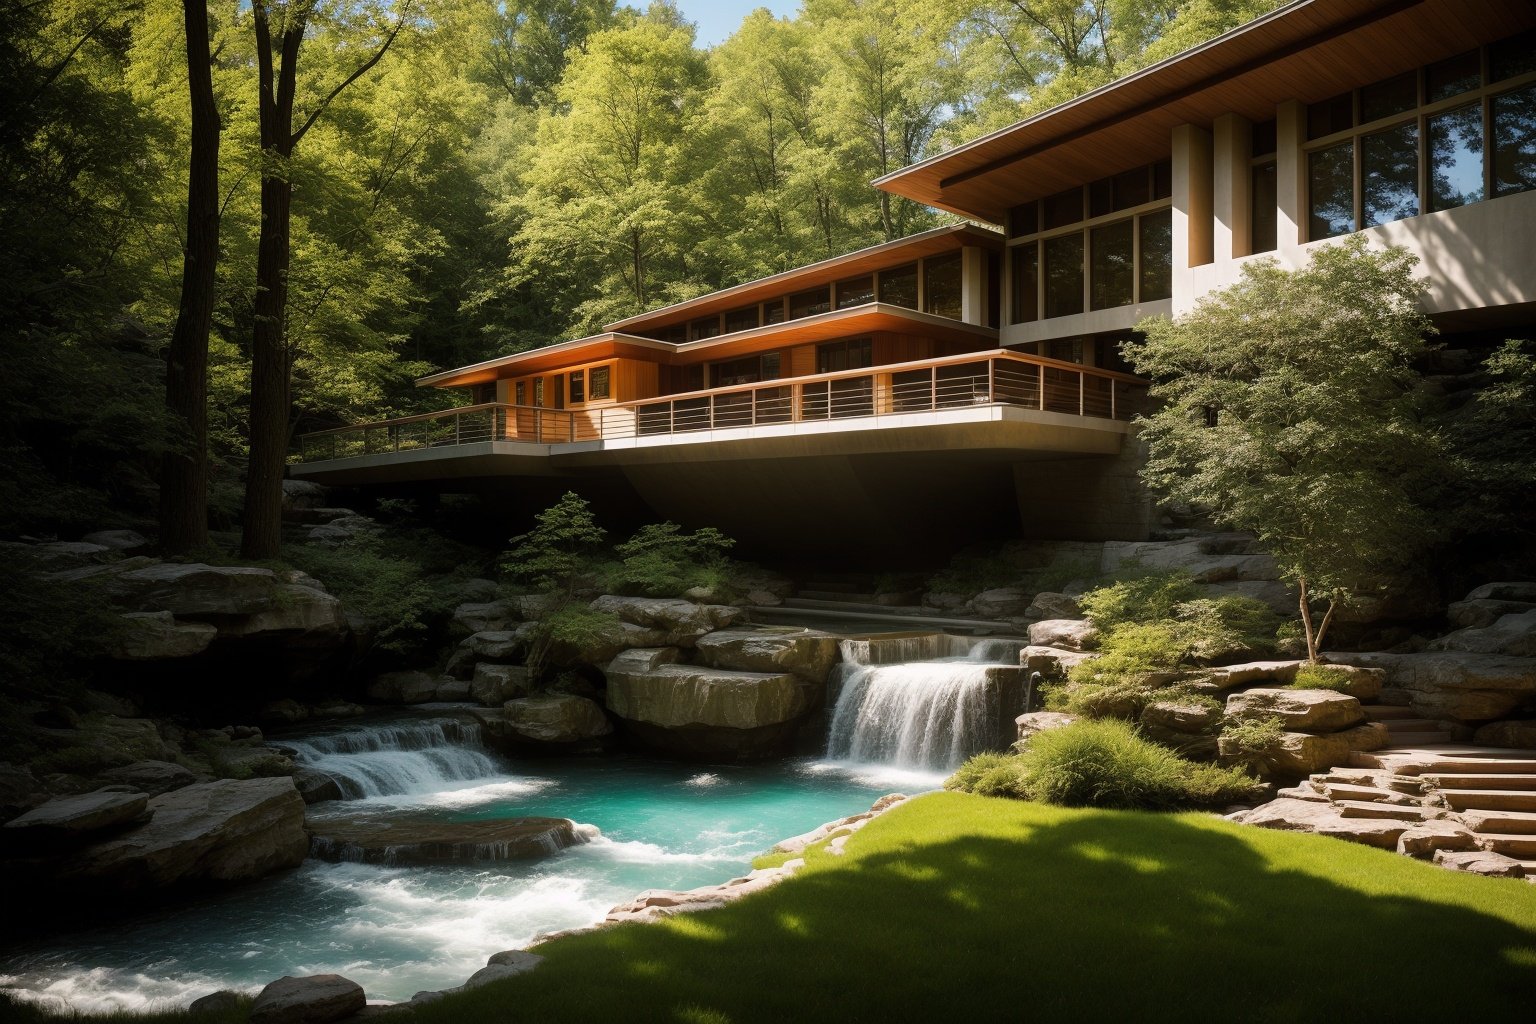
x=1492, y=439
x=1252, y=736
x=1322, y=677
x=664, y=560
x=1322, y=450
x=1118, y=694
x=1105, y=764
x=572, y=626
x=1140, y=596
x=562, y=547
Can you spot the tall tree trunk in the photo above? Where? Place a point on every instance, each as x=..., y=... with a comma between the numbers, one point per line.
x=184, y=468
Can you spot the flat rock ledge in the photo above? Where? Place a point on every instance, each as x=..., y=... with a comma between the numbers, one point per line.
x=408, y=841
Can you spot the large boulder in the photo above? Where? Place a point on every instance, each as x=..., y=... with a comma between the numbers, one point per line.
x=1073, y=634
x=494, y=685
x=302, y=612
x=1052, y=661
x=680, y=622
x=304, y=494
x=1294, y=754
x=806, y=653
x=1310, y=710
x=1001, y=603
x=197, y=590
x=696, y=711
x=1214, y=558
x=1520, y=735
x=1036, y=722
x=1483, y=612
x=211, y=832
x=152, y=777
x=75, y=819
x=1050, y=605
x=1185, y=717
x=1459, y=685
x=155, y=636
x=1481, y=862
x=554, y=720
x=1513, y=634
x=509, y=645
x=487, y=616
x=406, y=687
x=317, y=999
x=1521, y=590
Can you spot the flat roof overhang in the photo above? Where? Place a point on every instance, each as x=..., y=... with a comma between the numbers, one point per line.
x=838, y=323
x=1308, y=51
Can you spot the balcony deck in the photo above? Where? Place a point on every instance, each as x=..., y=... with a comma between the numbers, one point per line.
x=1002, y=403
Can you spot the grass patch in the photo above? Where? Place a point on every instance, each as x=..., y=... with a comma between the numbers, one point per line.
x=960, y=907
x=1321, y=677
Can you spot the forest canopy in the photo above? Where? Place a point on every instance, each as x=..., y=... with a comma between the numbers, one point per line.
x=474, y=178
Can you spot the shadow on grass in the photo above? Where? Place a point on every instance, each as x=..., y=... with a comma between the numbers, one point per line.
x=1055, y=915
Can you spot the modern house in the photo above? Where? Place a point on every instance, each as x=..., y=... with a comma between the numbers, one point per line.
x=962, y=380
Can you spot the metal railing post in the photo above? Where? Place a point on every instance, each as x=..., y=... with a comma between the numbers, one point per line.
x=991, y=380
x=1082, y=390
x=1041, y=368
x=1112, y=398
x=933, y=388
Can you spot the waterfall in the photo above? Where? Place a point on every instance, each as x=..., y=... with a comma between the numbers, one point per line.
x=925, y=701
x=399, y=758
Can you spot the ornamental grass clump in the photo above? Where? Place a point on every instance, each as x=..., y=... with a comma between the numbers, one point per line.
x=1103, y=764
x=1322, y=677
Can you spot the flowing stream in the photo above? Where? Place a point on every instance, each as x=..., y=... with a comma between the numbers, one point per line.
x=399, y=930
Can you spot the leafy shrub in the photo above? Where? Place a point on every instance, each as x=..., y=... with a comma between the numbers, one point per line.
x=1322, y=677
x=663, y=560
x=1104, y=764
x=571, y=626
x=1229, y=626
x=560, y=549
x=1252, y=736
x=1144, y=597
x=1114, y=698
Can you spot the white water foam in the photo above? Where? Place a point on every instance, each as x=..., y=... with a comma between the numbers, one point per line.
x=70, y=988
x=399, y=759
x=703, y=780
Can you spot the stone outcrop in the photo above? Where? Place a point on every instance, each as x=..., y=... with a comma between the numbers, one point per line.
x=195, y=590
x=553, y=721
x=803, y=652
x=1467, y=687
x=117, y=540
x=74, y=819
x=154, y=636
x=1212, y=558
x=317, y=999
x=1513, y=634
x=1481, y=862
x=1050, y=605
x=1324, y=819
x=1519, y=734
x=1310, y=710
x=1073, y=634
x=1001, y=603
x=241, y=602
x=680, y=623
x=1036, y=722
x=408, y=687
x=494, y=685
x=415, y=840
x=1052, y=661
x=499, y=644
x=486, y=616
x=211, y=832
x=151, y=777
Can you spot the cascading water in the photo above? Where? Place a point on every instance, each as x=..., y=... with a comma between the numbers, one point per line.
x=399, y=758
x=925, y=702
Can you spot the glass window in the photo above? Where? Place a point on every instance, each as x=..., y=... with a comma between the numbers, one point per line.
x=773, y=311
x=1111, y=274
x=1063, y=208
x=855, y=292
x=676, y=335
x=598, y=381
x=898, y=286
x=1025, y=263
x=1452, y=76
x=844, y=355
x=1331, y=191
x=1132, y=188
x=1513, y=56
x=1456, y=157
x=1064, y=275
x=1514, y=142
x=942, y=286
x=1156, y=270
x=1023, y=220
x=1264, y=135
x=578, y=389
x=1389, y=168
x=1266, y=206
x=538, y=392
x=741, y=320
x=1101, y=197
x=747, y=370
x=770, y=366
x=809, y=303
x=1392, y=96
x=1162, y=180
x=519, y=393
x=708, y=327
x=1330, y=115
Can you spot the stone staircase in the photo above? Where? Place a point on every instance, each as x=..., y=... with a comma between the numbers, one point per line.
x=1406, y=729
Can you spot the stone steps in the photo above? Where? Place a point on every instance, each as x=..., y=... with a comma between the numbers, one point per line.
x=1371, y=809
x=1370, y=794
x=1518, y=847
x=1445, y=759
x=1465, y=780
x=1508, y=823
x=1489, y=799
x=1418, y=739
x=1397, y=725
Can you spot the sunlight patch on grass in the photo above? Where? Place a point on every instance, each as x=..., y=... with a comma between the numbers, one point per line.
x=1142, y=864
x=795, y=924
x=695, y=926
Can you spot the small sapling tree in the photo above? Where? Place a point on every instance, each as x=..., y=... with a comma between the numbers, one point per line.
x=1290, y=407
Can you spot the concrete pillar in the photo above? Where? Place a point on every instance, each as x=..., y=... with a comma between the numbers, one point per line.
x=1232, y=187
x=973, y=285
x=1192, y=214
x=1290, y=173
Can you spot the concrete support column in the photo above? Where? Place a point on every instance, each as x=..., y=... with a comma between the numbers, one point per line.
x=973, y=285
x=1290, y=173
x=1232, y=187
x=1192, y=214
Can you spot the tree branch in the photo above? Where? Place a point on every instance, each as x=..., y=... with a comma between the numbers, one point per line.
x=362, y=70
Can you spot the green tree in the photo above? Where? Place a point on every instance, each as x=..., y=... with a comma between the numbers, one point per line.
x=556, y=552
x=1289, y=406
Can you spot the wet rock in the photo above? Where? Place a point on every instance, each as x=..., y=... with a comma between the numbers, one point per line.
x=696, y=711
x=681, y=622
x=1037, y=722
x=806, y=653
x=222, y=831
x=152, y=777
x=75, y=818
x=453, y=690
x=1072, y=634
x=1517, y=734
x=317, y=999
x=221, y=1003
x=1050, y=605
x=1481, y=862
x=155, y=636
x=118, y=540
x=243, y=762
x=413, y=840
x=494, y=685
x=316, y=786
x=1311, y=710
x=554, y=720
x=1001, y=603
x=408, y=687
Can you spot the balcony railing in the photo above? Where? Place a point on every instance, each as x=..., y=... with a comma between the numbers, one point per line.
x=954, y=382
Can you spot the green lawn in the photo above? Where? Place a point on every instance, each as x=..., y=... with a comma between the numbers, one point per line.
x=966, y=908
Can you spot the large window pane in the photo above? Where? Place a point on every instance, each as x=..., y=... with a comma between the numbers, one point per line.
x=1456, y=158
x=1156, y=269
x=855, y=292
x=942, y=286
x=1064, y=275
x=810, y=303
x=1023, y=220
x=1025, y=261
x=1111, y=277
x=708, y=327
x=1513, y=56
x=1453, y=76
x=773, y=311
x=741, y=320
x=1264, y=226
x=1331, y=191
x=1514, y=142
x=898, y=286
x=599, y=383
x=1063, y=208
x=1392, y=96
x=1389, y=164
x=1331, y=115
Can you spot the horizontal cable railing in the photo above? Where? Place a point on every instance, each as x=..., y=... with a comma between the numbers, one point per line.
x=991, y=378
